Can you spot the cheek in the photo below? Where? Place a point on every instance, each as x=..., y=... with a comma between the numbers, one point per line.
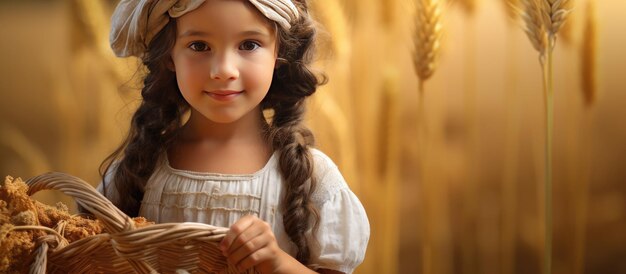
x=261, y=74
x=187, y=74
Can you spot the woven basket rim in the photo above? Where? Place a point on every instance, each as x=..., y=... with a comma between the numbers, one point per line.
x=148, y=249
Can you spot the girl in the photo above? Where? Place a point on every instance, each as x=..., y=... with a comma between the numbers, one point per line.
x=218, y=136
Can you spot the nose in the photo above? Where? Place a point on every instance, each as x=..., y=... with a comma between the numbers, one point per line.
x=224, y=67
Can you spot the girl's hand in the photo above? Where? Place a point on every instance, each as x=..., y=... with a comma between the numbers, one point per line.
x=250, y=242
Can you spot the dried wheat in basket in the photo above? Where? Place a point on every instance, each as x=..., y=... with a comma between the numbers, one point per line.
x=160, y=248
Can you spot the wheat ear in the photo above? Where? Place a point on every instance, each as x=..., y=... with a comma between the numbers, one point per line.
x=427, y=38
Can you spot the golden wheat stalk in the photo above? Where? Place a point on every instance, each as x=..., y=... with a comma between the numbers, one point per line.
x=427, y=38
x=588, y=56
x=543, y=19
x=427, y=41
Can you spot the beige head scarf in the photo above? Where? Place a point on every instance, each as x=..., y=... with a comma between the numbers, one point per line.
x=136, y=22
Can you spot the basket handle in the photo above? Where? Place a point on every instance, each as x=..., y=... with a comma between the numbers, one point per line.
x=114, y=220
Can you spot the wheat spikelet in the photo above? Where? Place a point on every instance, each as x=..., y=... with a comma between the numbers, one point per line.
x=566, y=33
x=531, y=13
x=588, y=54
x=427, y=37
x=556, y=11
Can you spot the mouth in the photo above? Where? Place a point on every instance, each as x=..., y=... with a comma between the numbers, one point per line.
x=223, y=95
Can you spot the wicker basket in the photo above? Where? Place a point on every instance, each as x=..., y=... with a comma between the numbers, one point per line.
x=160, y=248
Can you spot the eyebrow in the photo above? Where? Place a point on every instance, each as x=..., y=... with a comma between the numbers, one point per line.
x=193, y=33
x=253, y=32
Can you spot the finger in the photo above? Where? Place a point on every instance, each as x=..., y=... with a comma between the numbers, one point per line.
x=247, y=249
x=253, y=259
x=235, y=230
x=256, y=229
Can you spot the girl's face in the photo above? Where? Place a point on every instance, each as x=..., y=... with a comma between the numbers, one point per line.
x=224, y=58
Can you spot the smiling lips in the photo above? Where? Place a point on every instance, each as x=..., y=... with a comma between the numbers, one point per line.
x=223, y=95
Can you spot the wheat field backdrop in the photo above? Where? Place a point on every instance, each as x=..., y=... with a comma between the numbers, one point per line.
x=451, y=174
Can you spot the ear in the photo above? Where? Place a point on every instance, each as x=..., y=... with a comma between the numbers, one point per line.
x=170, y=64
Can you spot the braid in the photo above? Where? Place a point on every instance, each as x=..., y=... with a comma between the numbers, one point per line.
x=293, y=82
x=153, y=127
x=292, y=141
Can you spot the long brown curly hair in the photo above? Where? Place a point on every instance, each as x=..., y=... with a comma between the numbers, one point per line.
x=159, y=118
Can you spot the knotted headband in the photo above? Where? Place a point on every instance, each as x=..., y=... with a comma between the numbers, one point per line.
x=135, y=22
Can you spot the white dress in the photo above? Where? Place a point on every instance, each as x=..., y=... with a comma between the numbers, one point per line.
x=173, y=195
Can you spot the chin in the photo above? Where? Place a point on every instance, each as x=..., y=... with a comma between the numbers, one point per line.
x=224, y=119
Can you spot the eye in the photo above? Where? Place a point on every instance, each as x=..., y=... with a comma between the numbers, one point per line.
x=249, y=45
x=198, y=46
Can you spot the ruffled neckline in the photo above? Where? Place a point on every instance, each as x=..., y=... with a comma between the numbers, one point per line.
x=215, y=175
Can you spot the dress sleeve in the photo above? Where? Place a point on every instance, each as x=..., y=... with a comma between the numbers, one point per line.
x=107, y=186
x=343, y=232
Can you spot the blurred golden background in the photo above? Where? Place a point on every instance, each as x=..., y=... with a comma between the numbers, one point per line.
x=452, y=180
